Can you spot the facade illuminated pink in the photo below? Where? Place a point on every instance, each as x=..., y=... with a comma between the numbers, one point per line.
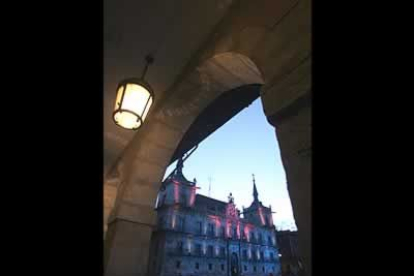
x=199, y=235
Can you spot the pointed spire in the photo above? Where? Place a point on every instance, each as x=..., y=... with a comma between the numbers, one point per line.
x=255, y=193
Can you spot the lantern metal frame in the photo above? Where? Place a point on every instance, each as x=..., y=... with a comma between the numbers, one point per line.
x=138, y=81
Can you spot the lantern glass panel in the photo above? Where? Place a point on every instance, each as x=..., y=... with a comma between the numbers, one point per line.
x=135, y=98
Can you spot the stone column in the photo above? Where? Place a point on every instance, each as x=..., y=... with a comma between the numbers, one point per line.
x=128, y=237
x=293, y=131
x=130, y=243
x=132, y=218
x=110, y=191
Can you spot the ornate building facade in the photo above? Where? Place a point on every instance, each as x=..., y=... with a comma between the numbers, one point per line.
x=199, y=235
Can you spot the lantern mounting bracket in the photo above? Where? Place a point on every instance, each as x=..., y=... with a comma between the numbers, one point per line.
x=149, y=60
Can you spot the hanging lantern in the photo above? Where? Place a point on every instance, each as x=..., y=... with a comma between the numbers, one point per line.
x=133, y=100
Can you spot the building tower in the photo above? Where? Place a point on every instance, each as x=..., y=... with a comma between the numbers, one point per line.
x=258, y=213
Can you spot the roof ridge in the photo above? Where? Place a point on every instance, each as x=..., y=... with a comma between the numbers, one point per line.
x=211, y=198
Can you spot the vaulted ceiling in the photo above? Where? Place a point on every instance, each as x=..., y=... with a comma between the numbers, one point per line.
x=180, y=34
x=172, y=30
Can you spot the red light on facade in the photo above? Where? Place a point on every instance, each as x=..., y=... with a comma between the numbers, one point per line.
x=261, y=216
x=192, y=196
x=247, y=232
x=176, y=192
x=216, y=221
x=228, y=225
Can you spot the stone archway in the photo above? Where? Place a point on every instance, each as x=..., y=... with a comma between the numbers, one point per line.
x=142, y=167
x=249, y=47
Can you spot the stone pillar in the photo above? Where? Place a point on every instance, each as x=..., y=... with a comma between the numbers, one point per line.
x=293, y=131
x=127, y=248
x=110, y=191
x=128, y=238
x=130, y=207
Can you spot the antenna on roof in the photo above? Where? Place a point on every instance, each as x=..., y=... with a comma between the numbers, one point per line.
x=209, y=186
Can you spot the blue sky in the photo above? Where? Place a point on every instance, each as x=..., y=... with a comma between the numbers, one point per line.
x=245, y=145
